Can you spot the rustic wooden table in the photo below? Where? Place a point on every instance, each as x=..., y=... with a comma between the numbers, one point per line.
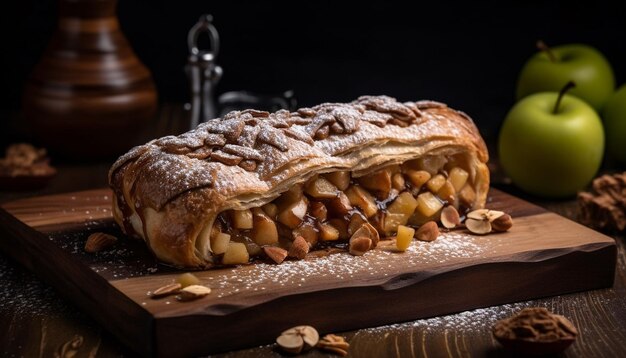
x=35, y=320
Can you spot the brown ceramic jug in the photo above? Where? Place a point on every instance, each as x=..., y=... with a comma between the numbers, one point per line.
x=89, y=96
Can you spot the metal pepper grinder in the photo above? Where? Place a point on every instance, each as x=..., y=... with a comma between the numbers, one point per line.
x=203, y=72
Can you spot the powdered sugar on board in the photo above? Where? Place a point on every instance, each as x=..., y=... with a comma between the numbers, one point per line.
x=340, y=269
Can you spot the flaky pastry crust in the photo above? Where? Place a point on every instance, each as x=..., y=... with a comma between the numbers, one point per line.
x=170, y=190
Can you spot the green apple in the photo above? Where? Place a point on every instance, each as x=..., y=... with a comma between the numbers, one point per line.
x=550, y=69
x=551, y=144
x=614, y=116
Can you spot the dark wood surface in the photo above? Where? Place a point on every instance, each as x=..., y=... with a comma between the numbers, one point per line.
x=37, y=320
x=543, y=255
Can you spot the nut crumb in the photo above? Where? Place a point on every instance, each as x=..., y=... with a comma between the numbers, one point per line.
x=277, y=254
x=427, y=232
x=299, y=248
x=604, y=206
x=99, y=241
x=335, y=344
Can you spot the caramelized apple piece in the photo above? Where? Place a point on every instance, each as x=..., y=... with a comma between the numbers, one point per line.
x=405, y=204
x=417, y=178
x=318, y=210
x=271, y=210
x=293, y=214
x=253, y=248
x=397, y=182
x=321, y=188
x=458, y=178
x=339, y=206
x=435, y=183
x=340, y=179
x=411, y=165
x=219, y=243
x=399, y=211
x=428, y=204
x=328, y=232
x=360, y=198
x=308, y=232
x=392, y=221
x=447, y=192
x=242, y=219
x=404, y=237
x=341, y=226
x=418, y=219
x=378, y=182
x=467, y=195
x=289, y=197
x=236, y=253
x=432, y=163
x=264, y=231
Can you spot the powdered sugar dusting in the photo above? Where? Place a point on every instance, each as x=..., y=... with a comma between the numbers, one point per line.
x=343, y=268
x=467, y=321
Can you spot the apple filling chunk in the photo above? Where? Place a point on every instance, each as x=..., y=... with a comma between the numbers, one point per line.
x=340, y=210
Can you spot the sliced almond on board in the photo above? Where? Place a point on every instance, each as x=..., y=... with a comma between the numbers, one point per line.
x=193, y=292
x=169, y=289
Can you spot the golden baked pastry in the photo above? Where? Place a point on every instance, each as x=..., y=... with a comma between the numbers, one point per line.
x=254, y=183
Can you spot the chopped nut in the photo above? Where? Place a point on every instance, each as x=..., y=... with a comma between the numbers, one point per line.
x=99, y=241
x=277, y=254
x=367, y=230
x=193, y=292
x=169, y=289
x=482, y=221
x=335, y=344
x=298, y=339
x=502, y=223
x=450, y=217
x=604, y=206
x=359, y=245
x=427, y=232
x=299, y=248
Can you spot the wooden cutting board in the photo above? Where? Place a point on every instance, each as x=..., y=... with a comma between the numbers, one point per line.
x=542, y=255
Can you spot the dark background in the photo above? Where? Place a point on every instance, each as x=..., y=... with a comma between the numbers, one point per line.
x=466, y=54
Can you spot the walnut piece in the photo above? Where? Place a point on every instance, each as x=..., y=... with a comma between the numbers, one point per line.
x=23, y=159
x=604, y=206
x=535, y=330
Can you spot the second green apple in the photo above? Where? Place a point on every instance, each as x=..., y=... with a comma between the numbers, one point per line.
x=550, y=69
x=551, y=153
